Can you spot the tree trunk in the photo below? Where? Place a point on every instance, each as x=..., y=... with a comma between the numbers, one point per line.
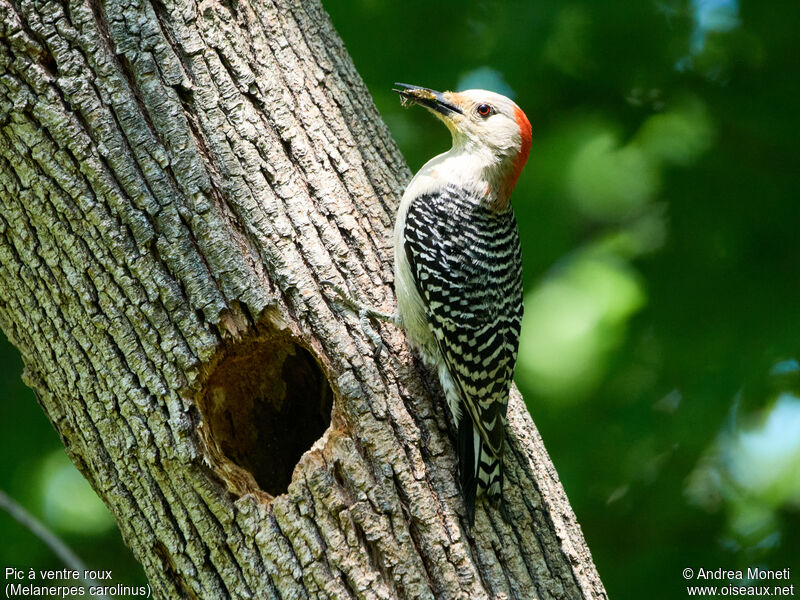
x=176, y=180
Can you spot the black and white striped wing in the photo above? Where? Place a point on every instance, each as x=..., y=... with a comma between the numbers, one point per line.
x=466, y=261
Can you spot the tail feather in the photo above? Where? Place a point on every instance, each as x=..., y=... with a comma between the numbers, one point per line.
x=481, y=471
x=466, y=464
x=490, y=477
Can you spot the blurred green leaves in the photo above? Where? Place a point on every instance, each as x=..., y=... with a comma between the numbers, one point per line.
x=69, y=504
x=574, y=321
x=751, y=470
x=577, y=317
x=567, y=47
x=678, y=136
x=765, y=458
x=608, y=180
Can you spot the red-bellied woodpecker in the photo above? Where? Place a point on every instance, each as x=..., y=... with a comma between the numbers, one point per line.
x=458, y=273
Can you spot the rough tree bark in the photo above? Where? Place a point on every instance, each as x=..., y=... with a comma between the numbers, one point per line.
x=175, y=180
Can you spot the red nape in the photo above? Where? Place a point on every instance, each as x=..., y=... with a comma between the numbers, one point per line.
x=524, y=131
x=524, y=149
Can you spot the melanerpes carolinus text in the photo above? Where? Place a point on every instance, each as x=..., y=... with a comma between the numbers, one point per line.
x=458, y=272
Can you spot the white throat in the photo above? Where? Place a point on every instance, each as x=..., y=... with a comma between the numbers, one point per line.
x=476, y=168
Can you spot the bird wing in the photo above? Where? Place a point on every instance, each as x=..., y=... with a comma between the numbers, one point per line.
x=467, y=266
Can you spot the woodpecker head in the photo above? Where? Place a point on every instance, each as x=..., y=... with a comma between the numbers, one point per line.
x=485, y=124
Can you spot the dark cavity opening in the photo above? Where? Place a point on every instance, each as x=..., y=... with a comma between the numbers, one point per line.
x=265, y=403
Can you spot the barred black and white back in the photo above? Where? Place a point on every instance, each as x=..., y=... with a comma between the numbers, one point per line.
x=464, y=257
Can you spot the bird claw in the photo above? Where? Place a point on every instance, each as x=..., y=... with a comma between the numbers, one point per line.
x=364, y=312
x=341, y=296
x=369, y=331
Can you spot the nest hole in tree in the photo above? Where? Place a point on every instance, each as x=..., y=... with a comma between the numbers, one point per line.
x=265, y=403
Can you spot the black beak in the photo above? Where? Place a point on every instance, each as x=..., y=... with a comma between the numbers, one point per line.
x=426, y=97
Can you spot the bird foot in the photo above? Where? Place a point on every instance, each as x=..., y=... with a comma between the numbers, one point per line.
x=364, y=312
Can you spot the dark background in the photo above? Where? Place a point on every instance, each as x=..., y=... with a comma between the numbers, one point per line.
x=659, y=217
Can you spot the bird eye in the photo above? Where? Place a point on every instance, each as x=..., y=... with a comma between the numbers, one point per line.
x=484, y=110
